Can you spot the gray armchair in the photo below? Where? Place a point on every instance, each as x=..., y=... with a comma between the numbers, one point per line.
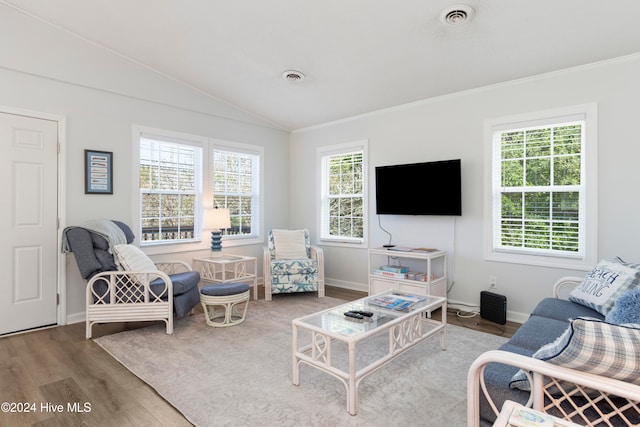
x=117, y=294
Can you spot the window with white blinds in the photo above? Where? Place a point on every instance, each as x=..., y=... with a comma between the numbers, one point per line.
x=539, y=187
x=343, y=191
x=170, y=190
x=236, y=186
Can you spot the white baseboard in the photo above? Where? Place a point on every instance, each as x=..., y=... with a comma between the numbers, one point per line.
x=467, y=305
x=353, y=286
x=76, y=318
x=512, y=316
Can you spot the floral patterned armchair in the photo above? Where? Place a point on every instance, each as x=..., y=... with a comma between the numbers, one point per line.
x=291, y=264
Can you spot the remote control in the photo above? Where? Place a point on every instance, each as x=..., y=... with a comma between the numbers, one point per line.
x=354, y=315
x=363, y=313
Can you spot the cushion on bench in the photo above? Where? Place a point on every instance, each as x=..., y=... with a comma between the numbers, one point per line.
x=560, y=309
x=538, y=331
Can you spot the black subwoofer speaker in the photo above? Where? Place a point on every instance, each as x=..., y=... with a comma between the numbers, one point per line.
x=493, y=307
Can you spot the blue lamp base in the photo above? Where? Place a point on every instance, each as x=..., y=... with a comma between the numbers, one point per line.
x=216, y=241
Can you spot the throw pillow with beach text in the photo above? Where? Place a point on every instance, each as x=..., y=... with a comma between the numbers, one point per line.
x=605, y=283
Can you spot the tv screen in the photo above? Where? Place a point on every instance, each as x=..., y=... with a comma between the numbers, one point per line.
x=430, y=188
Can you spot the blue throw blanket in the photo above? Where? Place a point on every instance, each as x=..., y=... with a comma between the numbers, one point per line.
x=103, y=227
x=92, y=244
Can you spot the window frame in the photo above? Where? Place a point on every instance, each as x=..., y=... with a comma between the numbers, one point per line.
x=206, y=200
x=177, y=138
x=323, y=154
x=257, y=235
x=588, y=209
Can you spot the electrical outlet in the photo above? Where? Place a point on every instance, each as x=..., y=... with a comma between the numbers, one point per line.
x=493, y=282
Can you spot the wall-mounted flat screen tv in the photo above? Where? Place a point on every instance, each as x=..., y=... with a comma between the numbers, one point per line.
x=429, y=188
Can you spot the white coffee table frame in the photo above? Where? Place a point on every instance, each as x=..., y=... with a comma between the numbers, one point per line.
x=405, y=331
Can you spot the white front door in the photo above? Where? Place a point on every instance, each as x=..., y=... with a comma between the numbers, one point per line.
x=28, y=222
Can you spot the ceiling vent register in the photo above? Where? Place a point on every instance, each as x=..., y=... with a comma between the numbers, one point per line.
x=457, y=14
x=293, y=76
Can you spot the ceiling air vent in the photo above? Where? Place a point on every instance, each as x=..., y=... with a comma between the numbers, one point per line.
x=293, y=76
x=457, y=14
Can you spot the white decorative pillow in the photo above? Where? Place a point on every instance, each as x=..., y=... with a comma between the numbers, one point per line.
x=131, y=258
x=594, y=346
x=290, y=244
x=605, y=283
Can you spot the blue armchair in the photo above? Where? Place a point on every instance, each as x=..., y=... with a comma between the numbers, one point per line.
x=138, y=291
x=292, y=264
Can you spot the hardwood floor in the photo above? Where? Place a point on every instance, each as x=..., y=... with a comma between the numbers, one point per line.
x=43, y=369
x=473, y=321
x=55, y=377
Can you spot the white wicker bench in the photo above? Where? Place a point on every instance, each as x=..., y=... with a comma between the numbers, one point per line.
x=568, y=394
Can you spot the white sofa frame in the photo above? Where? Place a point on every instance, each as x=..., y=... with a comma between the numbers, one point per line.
x=556, y=383
x=120, y=305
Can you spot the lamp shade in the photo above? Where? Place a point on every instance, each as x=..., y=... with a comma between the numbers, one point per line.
x=217, y=218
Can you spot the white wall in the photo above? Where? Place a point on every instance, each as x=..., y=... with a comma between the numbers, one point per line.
x=102, y=96
x=452, y=127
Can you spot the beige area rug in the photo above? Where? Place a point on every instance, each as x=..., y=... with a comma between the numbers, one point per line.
x=241, y=375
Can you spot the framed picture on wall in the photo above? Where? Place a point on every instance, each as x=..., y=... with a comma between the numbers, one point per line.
x=98, y=172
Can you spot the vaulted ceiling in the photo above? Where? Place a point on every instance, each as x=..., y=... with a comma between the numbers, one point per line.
x=357, y=56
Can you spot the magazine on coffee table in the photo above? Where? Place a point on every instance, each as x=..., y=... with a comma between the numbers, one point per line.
x=396, y=301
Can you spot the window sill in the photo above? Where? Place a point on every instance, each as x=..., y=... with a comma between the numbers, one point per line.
x=541, y=261
x=168, y=247
x=162, y=248
x=343, y=243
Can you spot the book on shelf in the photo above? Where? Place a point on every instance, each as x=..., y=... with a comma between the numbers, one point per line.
x=394, y=268
x=419, y=276
x=396, y=301
x=391, y=274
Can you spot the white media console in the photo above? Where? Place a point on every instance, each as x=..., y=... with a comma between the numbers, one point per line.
x=430, y=266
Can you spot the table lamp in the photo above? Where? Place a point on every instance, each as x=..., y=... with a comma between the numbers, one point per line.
x=217, y=219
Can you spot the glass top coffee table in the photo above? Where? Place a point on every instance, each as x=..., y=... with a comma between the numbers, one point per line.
x=375, y=319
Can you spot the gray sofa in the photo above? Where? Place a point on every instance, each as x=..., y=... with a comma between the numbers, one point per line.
x=492, y=373
x=548, y=320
